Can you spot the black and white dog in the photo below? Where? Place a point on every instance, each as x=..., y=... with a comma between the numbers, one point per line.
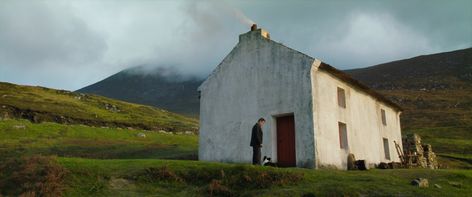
x=266, y=162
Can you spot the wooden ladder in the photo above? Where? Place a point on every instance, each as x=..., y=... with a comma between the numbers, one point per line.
x=400, y=153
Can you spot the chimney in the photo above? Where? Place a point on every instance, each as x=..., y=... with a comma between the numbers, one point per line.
x=254, y=27
x=255, y=32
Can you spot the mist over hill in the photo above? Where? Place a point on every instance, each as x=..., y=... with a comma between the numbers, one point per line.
x=161, y=87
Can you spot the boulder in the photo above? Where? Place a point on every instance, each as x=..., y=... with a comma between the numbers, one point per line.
x=361, y=165
x=141, y=135
x=351, y=162
x=383, y=165
x=19, y=127
x=420, y=182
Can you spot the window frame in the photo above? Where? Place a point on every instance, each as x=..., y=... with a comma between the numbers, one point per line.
x=383, y=116
x=341, y=94
x=386, y=149
x=343, y=139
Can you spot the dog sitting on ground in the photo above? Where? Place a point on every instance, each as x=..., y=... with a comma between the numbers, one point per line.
x=266, y=162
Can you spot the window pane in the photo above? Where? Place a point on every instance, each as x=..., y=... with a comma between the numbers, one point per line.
x=341, y=98
x=386, y=149
x=342, y=135
x=384, y=119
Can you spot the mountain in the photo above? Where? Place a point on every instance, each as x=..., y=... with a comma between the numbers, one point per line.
x=434, y=90
x=39, y=104
x=160, y=87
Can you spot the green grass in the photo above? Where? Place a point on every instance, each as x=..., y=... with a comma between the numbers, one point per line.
x=96, y=177
x=43, y=104
x=91, y=142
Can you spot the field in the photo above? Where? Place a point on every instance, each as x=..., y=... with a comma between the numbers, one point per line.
x=94, y=161
x=21, y=137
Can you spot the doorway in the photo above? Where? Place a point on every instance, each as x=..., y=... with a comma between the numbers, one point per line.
x=286, y=141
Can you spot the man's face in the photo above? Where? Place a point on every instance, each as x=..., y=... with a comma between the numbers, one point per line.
x=261, y=123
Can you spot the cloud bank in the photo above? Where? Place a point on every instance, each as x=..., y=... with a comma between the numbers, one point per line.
x=70, y=44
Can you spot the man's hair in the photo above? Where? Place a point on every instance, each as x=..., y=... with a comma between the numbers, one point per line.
x=261, y=120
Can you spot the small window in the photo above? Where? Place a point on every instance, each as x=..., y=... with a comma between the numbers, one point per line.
x=386, y=149
x=341, y=98
x=342, y=135
x=384, y=119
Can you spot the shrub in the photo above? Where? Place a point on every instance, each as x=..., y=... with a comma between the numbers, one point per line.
x=161, y=174
x=223, y=182
x=32, y=176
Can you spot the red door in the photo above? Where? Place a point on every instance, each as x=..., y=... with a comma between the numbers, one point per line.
x=286, y=141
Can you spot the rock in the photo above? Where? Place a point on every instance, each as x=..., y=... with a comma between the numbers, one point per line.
x=141, y=135
x=165, y=132
x=188, y=132
x=394, y=165
x=351, y=162
x=19, y=127
x=361, y=165
x=455, y=184
x=120, y=183
x=420, y=182
x=437, y=186
x=383, y=165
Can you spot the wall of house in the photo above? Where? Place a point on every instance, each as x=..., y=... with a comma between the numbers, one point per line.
x=362, y=115
x=259, y=78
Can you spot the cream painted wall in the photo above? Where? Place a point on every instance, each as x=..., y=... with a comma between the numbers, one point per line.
x=362, y=115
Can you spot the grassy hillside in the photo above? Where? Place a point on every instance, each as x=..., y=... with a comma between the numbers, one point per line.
x=21, y=137
x=40, y=104
x=435, y=90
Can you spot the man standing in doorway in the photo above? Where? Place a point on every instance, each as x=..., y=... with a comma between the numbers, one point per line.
x=256, y=141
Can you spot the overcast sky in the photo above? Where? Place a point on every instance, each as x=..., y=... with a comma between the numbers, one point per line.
x=71, y=44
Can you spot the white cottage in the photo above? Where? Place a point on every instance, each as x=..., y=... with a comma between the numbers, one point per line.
x=316, y=115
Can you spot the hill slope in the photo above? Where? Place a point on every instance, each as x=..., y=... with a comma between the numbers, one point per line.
x=434, y=90
x=159, y=87
x=40, y=104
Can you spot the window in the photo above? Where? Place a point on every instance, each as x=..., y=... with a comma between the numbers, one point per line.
x=342, y=135
x=384, y=119
x=386, y=149
x=341, y=98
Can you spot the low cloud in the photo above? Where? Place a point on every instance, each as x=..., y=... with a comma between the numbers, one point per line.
x=70, y=44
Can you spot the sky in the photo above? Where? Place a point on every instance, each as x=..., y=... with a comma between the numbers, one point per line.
x=75, y=43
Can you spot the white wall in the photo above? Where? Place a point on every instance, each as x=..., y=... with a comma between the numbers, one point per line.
x=259, y=78
x=365, y=130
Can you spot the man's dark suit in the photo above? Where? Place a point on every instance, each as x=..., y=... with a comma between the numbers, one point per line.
x=256, y=143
